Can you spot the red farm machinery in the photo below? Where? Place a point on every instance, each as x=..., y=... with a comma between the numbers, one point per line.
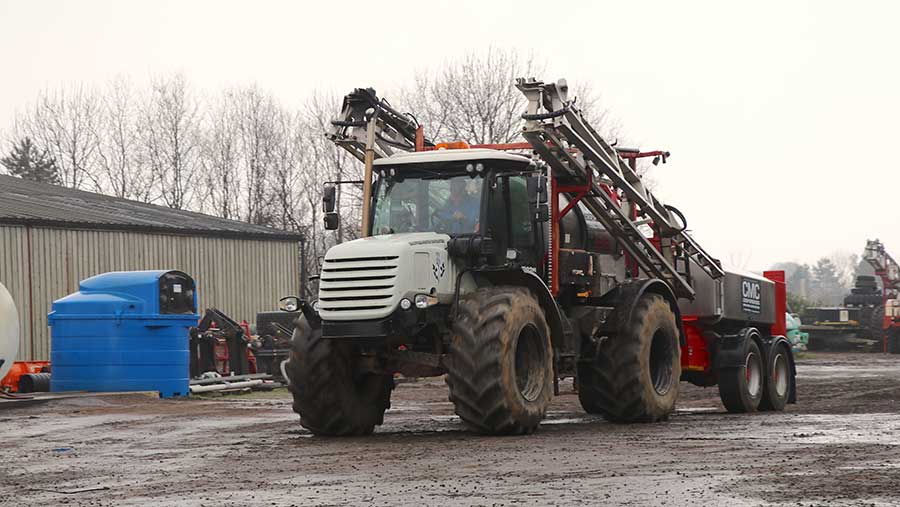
x=870, y=316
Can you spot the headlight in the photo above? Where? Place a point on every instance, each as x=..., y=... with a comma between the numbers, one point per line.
x=405, y=304
x=424, y=300
x=289, y=304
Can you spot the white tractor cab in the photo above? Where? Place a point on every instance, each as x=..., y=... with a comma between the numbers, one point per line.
x=433, y=212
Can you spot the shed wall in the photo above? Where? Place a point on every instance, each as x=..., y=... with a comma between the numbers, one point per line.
x=239, y=277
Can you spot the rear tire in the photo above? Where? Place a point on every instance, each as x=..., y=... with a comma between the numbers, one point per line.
x=634, y=375
x=331, y=401
x=893, y=341
x=741, y=389
x=779, y=381
x=500, y=370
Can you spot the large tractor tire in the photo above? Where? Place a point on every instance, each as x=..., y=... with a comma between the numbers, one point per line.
x=330, y=397
x=633, y=375
x=741, y=388
x=500, y=369
x=779, y=380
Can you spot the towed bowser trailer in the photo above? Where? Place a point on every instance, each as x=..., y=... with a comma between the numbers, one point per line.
x=508, y=267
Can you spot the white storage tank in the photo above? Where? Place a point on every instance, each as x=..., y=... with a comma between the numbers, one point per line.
x=9, y=331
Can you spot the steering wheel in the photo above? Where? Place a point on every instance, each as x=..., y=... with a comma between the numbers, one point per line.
x=439, y=224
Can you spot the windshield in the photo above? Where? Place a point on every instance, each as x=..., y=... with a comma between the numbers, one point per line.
x=450, y=205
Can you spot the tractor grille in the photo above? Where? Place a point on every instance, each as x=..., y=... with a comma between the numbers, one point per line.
x=358, y=285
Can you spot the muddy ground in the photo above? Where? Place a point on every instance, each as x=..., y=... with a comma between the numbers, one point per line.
x=839, y=446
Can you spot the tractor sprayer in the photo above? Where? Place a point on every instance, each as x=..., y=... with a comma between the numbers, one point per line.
x=508, y=267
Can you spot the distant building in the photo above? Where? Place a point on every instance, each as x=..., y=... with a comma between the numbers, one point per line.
x=52, y=237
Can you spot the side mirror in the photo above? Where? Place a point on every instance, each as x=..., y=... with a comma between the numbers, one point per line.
x=537, y=198
x=329, y=199
x=332, y=221
x=289, y=304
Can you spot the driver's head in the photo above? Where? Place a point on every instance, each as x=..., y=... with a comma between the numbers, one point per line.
x=457, y=189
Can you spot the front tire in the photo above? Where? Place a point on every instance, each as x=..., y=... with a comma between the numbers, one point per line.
x=500, y=371
x=741, y=389
x=634, y=375
x=331, y=398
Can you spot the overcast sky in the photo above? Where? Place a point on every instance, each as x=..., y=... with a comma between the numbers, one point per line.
x=781, y=116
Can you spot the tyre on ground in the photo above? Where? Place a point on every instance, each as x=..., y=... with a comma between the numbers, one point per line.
x=779, y=380
x=500, y=367
x=332, y=398
x=633, y=375
x=893, y=341
x=741, y=388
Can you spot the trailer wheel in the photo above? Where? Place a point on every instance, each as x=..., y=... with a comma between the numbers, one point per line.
x=500, y=370
x=893, y=341
x=330, y=398
x=634, y=375
x=741, y=388
x=778, y=380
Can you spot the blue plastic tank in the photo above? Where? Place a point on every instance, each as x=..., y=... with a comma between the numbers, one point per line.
x=124, y=331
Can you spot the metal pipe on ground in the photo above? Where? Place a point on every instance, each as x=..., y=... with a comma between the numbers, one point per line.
x=197, y=389
x=231, y=378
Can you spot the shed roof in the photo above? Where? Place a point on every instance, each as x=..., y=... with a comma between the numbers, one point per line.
x=25, y=202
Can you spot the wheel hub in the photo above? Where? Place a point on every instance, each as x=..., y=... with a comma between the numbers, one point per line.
x=661, y=351
x=780, y=375
x=531, y=367
x=753, y=369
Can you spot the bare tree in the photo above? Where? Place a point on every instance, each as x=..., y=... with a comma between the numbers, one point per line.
x=220, y=158
x=169, y=130
x=242, y=155
x=285, y=177
x=257, y=124
x=63, y=123
x=474, y=98
x=845, y=264
x=121, y=172
x=331, y=163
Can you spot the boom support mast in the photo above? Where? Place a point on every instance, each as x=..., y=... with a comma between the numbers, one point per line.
x=884, y=265
x=580, y=159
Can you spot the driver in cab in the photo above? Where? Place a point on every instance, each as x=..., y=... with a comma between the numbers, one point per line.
x=460, y=214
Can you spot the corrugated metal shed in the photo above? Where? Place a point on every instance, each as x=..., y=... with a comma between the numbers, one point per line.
x=28, y=203
x=51, y=238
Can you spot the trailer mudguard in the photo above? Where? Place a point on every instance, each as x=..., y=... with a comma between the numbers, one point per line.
x=729, y=351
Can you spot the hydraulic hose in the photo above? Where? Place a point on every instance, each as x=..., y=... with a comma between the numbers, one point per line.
x=341, y=123
x=547, y=116
x=680, y=215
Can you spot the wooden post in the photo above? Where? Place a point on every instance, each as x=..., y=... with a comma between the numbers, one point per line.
x=367, y=176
